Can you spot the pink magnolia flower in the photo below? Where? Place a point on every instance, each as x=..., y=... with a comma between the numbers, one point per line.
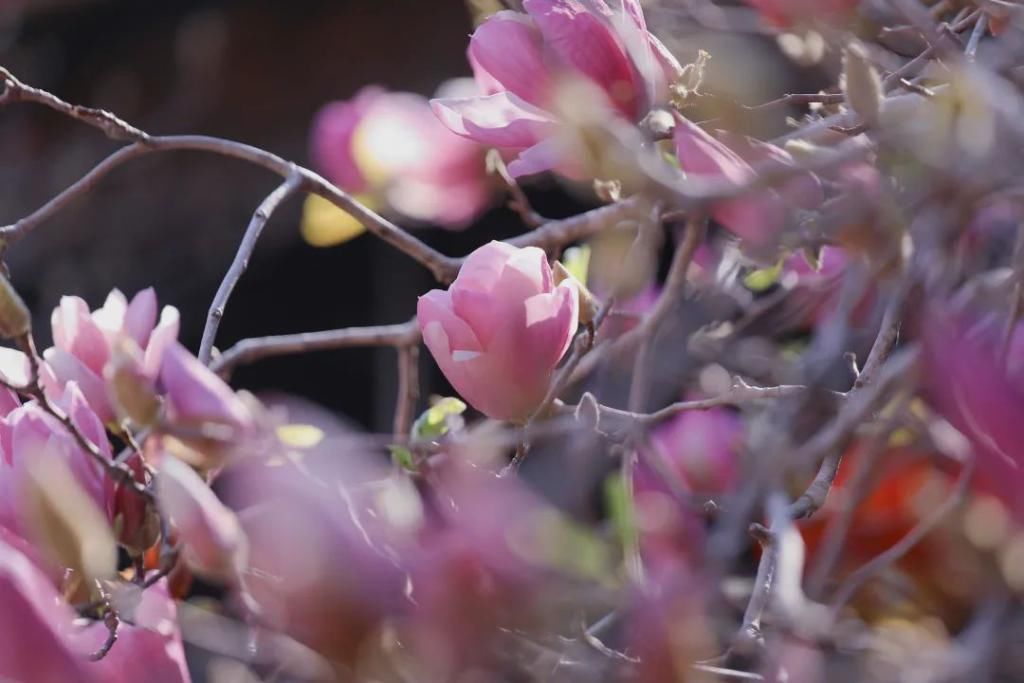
x=149, y=648
x=28, y=432
x=966, y=381
x=756, y=216
x=209, y=532
x=519, y=60
x=37, y=625
x=500, y=329
x=789, y=12
x=698, y=450
x=82, y=340
x=197, y=397
x=389, y=144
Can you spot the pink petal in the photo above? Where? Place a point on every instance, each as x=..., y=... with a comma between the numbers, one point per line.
x=587, y=43
x=435, y=307
x=499, y=120
x=35, y=623
x=331, y=141
x=75, y=331
x=802, y=190
x=547, y=155
x=164, y=334
x=68, y=368
x=450, y=205
x=110, y=316
x=140, y=317
x=510, y=49
x=148, y=649
x=213, y=540
x=551, y=321
x=194, y=392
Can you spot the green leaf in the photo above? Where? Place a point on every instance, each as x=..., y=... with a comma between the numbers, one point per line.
x=402, y=456
x=763, y=278
x=577, y=261
x=437, y=420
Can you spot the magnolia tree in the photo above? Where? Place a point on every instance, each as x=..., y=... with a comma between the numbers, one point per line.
x=754, y=417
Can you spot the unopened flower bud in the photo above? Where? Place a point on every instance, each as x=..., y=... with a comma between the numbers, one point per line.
x=131, y=391
x=861, y=84
x=15, y=319
x=589, y=304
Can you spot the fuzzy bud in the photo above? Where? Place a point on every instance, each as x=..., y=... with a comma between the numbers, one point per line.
x=15, y=319
x=861, y=84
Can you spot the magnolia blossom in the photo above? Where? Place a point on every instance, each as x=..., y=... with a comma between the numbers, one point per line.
x=694, y=453
x=28, y=433
x=966, y=381
x=500, y=329
x=83, y=340
x=389, y=148
x=757, y=216
x=520, y=59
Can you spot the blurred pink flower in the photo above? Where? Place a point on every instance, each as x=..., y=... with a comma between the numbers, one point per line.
x=519, y=59
x=28, y=432
x=500, y=329
x=390, y=144
x=966, y=381
x=209, y=532
x=197, y=397
x=82, y=340
x=37, y=626
x=149, y=645
x=698, y=450
x=790, y=12
x=756, y=216
x=814, y=293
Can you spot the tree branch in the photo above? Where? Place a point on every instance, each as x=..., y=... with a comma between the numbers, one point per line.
x=241, y=261
x=258, y=348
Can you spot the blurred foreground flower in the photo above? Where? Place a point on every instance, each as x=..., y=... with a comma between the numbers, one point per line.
x=499, y=331
x=758, y=215
x=389, y=150
x=791, y=12
x=522, y=60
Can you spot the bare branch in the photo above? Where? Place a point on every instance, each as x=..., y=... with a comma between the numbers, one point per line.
x=258, y=348
x=241, y=261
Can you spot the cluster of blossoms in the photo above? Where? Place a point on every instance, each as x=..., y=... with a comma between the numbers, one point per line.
x=128, y=467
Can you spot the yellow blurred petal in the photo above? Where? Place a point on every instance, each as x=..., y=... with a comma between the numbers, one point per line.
x=299, y=436
x=325, y=225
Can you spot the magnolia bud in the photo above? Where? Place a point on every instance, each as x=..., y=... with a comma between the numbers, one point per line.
x=64, y=521
x=15, y=319
x=130, y=390
x=589, y=305
x=861, y=84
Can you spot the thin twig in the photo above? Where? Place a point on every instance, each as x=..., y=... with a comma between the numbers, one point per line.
x=111, y=125
x=673, y=291
x=408, y=388
x=258, y=348
x=241, y=261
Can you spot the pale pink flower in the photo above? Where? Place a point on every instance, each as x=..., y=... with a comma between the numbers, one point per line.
x=756, y=216
x=82, y=340
x=520, y=59
x=389, y=144
x=500, y=329
x=196, y=396
x=209, y=532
